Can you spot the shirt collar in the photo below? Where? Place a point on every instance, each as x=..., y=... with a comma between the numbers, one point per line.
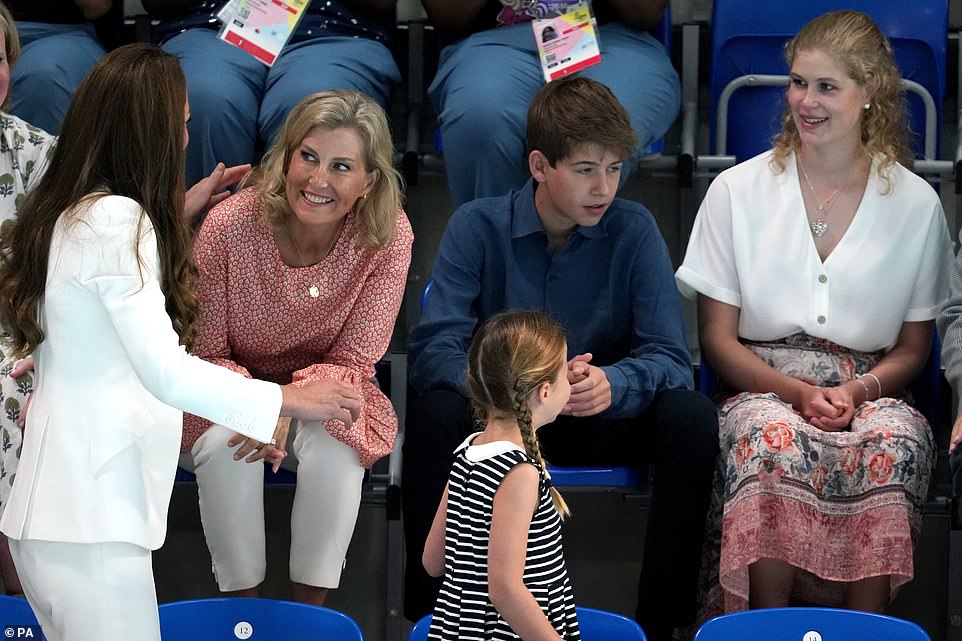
x=525, y=220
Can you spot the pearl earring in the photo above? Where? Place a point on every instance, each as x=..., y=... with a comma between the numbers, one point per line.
x=866, y=106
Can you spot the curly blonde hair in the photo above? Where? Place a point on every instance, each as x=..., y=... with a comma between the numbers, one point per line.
x=376, y=214
x=855, y=43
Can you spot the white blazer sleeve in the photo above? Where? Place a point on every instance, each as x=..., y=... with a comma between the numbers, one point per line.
x=130, y=293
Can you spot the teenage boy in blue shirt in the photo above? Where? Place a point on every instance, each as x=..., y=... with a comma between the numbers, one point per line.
x=564, y=244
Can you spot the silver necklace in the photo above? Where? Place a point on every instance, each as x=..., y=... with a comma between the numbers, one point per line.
x=313, y=290
x=819, y=226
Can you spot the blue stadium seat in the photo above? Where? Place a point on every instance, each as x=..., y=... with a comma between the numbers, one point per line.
x=253, y=619
x=15, y=614
x=595, y=625
x=748, y=38
x=809, y=624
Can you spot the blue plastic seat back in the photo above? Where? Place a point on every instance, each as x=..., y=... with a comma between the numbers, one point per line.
x=600, y=476
x=748, y=37
x=595, y=625
x=254, y=619
x=16, y=618
x=420, y=630
x=798, y=624
x=599, y=625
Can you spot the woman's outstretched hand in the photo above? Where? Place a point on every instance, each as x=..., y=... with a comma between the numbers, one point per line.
x=211, y=190
x=322, y=400
x=252, y=450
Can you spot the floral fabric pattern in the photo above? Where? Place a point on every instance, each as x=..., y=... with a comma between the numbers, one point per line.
x=13, y=397
x=25, y=151
x=840, y=506
x=332, y=320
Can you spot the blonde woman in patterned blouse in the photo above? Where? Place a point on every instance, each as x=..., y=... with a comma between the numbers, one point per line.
x=301, y=279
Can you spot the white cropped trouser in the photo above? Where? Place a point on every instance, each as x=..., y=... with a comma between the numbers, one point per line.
x=323, y=516
x=89, y=591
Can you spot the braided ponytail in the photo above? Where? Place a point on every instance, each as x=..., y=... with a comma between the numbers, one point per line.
x=523, y=414
x=512, y=354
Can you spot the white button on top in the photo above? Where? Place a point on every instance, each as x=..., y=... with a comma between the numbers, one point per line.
x=822, y=278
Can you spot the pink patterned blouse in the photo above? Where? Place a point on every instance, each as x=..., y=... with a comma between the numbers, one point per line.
x=267, y=320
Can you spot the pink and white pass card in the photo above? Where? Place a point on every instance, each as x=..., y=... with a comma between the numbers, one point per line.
x=567, y=43
x=261, y=27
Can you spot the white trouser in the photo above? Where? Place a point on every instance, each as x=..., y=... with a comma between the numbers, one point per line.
x=89, y=591
x=325, y=507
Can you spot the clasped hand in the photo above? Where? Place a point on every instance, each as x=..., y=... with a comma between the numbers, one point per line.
x=830, y=409
x=590, y=389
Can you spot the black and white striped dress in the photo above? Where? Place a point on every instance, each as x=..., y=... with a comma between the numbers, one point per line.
x=463, y=610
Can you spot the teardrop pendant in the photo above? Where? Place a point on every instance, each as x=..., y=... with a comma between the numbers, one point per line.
x=819, y=227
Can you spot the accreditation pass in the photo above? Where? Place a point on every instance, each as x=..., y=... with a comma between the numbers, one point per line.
x=567, y=43
x=261, y=27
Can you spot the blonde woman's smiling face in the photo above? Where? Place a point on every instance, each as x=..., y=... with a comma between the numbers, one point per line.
x=326, y=176
x=826, y=104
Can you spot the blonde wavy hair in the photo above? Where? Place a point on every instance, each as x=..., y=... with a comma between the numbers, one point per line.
x=377, y=213
x=12, y=42
x=512, y=354
x=857, y=45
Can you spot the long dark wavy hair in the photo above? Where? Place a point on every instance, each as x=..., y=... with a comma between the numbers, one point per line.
x=123, y=134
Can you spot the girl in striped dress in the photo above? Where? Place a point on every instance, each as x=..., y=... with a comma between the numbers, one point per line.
x=496, y=537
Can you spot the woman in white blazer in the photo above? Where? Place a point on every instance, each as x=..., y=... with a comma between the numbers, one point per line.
x=96, y=282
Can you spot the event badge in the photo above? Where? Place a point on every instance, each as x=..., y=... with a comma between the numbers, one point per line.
x=260, y=27
x=568, y=42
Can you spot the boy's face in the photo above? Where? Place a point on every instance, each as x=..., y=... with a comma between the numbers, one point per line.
x=578, y=189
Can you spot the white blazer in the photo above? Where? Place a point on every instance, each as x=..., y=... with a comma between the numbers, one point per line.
x=104, y=426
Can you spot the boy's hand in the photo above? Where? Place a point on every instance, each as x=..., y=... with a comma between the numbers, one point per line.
x=591, y=394
x=578, y=368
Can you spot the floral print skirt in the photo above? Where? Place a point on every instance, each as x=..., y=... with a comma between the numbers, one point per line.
x=13, y=396
x=840, y=506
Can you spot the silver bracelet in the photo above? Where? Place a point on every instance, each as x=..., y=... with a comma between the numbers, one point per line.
x=877, y=382
x=864, y=387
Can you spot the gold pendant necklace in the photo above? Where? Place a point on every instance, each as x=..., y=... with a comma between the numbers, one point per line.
x=313, y=291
